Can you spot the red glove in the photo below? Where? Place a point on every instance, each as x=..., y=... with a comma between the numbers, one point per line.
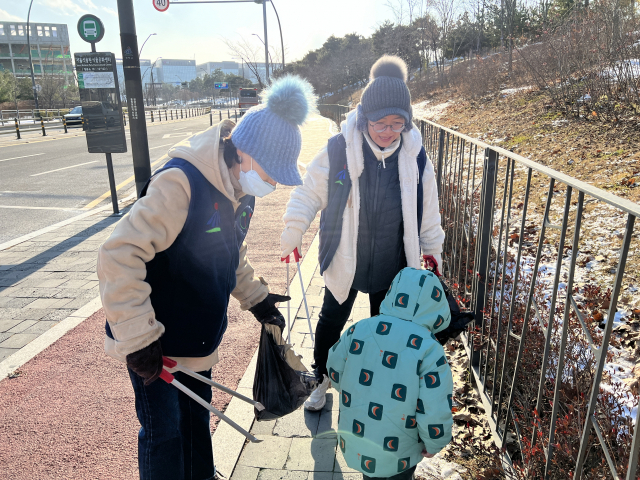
x=430, y=263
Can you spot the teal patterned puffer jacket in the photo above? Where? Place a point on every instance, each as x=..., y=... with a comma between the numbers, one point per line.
x=394, y=380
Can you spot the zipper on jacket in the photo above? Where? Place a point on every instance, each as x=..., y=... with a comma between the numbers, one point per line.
x=374, y=221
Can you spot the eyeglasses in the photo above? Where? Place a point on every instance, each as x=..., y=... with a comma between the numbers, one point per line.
x=381, y=127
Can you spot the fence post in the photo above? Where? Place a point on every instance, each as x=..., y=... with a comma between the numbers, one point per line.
x=220, y=112
x=64, y=123
x=166, y=116
x=17, y=128
x=228, y=113
x=44, y=133
x=485, y=227
x=152, y=116
x=439, y=162
x=211, y=118
x=181, y=114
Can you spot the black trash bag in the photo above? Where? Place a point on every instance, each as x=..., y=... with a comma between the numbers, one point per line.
x=282, y=383
x=459, y=320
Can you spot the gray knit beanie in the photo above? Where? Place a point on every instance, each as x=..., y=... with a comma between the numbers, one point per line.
x=270, y=133
x=386, y=94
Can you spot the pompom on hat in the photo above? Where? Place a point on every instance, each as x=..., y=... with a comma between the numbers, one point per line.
x=386, y=94
x=270, y=132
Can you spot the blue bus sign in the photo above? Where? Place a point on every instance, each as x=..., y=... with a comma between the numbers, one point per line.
x=220, y=85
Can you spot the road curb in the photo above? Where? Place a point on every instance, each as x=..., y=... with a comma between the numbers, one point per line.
x=33, y=348
x=227, y=441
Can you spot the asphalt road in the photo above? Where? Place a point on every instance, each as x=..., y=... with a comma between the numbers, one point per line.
x=45, y=180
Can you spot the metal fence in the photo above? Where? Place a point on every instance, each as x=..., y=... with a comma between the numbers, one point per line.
x=544, y=261
x=337, y=113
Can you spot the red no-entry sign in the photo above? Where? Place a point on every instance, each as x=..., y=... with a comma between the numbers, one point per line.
x=161, y=5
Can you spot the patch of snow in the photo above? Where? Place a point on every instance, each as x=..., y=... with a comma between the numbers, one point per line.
x=437, y=468
x=511, y=91
x=623, y=68
x=424, y=111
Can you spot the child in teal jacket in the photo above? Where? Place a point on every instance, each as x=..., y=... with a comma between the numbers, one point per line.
x=394, y=380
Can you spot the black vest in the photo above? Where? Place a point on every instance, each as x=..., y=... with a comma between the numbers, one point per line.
x=192, y=280
x=339, y=189
x=380, y=246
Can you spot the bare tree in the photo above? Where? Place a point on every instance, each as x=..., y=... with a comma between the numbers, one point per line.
x=250, y=54
x=405, y=11
x=446, y=11
x=51, y=86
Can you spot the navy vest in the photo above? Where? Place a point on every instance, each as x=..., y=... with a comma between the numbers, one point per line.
x=192, y=280
x=339, y=189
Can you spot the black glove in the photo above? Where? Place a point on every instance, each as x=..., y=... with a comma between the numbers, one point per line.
x=266, y=311
x=147, y=362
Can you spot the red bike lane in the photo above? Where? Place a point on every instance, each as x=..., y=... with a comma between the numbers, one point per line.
x=69, y=412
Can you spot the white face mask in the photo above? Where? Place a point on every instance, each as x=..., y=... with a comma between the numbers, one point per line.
x=252, y=184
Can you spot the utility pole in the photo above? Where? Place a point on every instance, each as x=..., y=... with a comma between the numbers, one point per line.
x=33, y=80
x=135, y=100
x=266, y=42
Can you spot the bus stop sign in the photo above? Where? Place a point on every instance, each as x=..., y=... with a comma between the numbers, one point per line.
x=101, y=104
x=90, y=28
x=220, y=85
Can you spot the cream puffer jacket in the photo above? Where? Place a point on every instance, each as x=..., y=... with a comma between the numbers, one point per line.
x=150, y=227
x=311, y=197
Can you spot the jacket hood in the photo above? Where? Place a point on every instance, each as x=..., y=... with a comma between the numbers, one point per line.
x=203, y=150
x=418, y=296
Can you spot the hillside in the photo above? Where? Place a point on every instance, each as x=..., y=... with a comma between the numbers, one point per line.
x=604, y=155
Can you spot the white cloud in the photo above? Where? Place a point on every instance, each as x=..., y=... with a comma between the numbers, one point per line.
x=110, y=11
x=6, y=16
x=69, y=7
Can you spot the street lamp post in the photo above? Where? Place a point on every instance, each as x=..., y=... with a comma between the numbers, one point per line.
x=153, y=86
x=266, y=41
x=280, y=28
x=150, y=35
x=33, y=80
x=267, y=59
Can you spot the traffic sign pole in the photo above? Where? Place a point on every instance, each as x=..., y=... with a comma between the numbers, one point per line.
x=135, y=100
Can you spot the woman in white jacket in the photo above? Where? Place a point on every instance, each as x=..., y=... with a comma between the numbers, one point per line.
x=379, y=201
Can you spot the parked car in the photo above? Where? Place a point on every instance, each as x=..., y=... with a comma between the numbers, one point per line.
x=101, y=115
x=74, y=116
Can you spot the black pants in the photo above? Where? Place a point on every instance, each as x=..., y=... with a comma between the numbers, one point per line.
x=406, y=475
x=331, y=321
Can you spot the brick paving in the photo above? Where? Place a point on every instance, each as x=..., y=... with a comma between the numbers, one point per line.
x=302, y=445
x=47, y=278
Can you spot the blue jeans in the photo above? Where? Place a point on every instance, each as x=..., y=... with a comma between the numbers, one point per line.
x=174, y=442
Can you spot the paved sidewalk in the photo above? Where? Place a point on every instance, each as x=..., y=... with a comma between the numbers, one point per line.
x=68, y=412
x=45, y=279
x=302, y=445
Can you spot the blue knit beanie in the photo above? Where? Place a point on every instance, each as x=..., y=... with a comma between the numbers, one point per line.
x=270, y=132
x=386, y=94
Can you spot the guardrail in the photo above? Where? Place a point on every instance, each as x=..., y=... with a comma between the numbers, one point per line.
x=519, y=251
x=44, y=123
x=337, y=113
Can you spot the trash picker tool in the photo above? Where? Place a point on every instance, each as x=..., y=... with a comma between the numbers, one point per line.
x=287, y=260
x=297, y=256
x=170, y=379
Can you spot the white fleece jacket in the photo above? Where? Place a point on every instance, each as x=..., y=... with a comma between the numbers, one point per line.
x=306, y=200
x=150, y=227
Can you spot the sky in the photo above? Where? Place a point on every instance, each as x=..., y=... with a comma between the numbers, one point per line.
x=198, y=31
